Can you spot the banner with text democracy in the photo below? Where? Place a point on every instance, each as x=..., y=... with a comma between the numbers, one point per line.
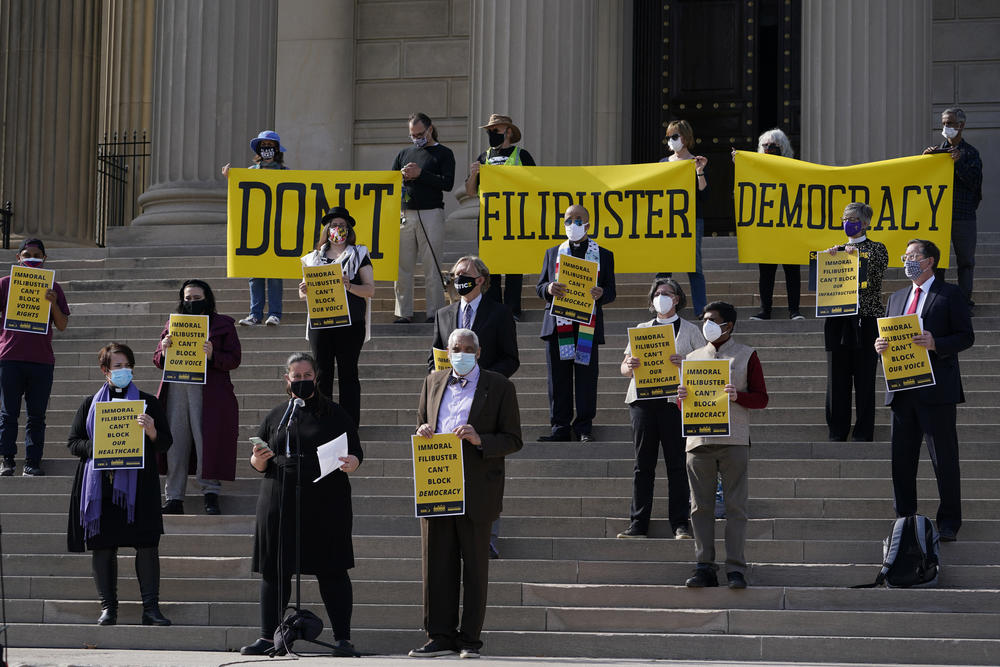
x=274, y=218
x=784, y=208
x=643, y=213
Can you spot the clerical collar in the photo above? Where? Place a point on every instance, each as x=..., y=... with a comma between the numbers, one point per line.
x=577, y=244
x=864, y=237
x=669, y=320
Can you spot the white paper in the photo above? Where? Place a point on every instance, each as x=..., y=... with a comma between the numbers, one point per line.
x=329, y=455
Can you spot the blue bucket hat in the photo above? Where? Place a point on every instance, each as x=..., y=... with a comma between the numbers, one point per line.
x=267, y=134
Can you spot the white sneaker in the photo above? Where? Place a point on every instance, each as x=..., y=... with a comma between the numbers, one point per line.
x=272, y=321
x=249, y=321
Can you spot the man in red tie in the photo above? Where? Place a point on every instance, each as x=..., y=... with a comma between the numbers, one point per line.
x=929, y=413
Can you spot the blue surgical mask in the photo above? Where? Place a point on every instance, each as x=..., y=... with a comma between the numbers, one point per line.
x=462, y=362
x=912, y=268
x=121, y=377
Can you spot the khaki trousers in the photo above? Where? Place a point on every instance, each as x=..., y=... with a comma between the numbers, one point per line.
x=413, y=243
x=703, y=465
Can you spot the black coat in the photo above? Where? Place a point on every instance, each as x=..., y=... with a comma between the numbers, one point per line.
x=116, y=531
x=605, y=280
x=326, y=505
x=493, y=324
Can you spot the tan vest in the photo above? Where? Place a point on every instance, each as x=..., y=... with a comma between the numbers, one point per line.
x=688, y=338
x=739, y=417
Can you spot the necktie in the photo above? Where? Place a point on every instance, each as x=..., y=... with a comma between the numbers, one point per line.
x=913, y=304
x=467, y=317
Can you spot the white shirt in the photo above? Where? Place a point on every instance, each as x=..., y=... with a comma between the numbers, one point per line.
x=924, y=289
x=463, y=304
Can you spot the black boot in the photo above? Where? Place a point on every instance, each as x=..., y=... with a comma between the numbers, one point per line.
x=147, y=570
x=104, y=563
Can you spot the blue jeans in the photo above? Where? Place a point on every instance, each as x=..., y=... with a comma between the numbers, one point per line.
x=257, y=297
x=34, y=382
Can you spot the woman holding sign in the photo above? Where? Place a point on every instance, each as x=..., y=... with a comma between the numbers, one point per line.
x=205, y=417
x=341, y=345
x=112, y=508
x=326, y=548
x=656, y=422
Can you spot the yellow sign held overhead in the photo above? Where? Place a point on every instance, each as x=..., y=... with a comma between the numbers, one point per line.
x=119, y=439
x=705, y=411
x=579, y=276
x=27, y=308
x=185, y=360
x=656, y=375
x=438, y=475
x=836, y=284
x=905, y=364
x=326, y=295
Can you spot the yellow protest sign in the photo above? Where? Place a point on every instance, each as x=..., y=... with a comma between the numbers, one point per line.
x=275, y=217
x=119, y=439
x=656, y=375
x=785, y=207
x=326, y=295
x=837, y=279
x=27, y=308
x=441, y=360
x=705, y=411
x=438, y=475
x=579, y=276
x=185, y=360
x=905, y=365
x=643, y=213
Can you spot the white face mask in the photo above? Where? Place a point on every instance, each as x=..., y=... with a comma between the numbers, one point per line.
x=663, y=303
x=675, y=144
x=576, y=232
x=949, y=132
x=711, y=331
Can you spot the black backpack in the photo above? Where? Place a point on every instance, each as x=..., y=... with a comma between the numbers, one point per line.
x=910, y=557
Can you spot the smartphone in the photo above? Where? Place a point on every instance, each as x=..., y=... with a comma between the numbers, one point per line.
x=257, y=442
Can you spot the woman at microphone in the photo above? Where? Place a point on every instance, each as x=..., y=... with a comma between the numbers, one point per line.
x=326, y=548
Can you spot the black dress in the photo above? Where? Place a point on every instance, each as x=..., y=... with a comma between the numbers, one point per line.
x=326, y=504
x=115, y=530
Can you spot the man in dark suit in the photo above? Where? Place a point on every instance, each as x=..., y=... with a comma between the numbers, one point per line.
x=480, y=407
x=929, y=412
x=571, y=352
x=491, y=320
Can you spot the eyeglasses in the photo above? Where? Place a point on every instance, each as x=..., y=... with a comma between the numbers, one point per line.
x=574, y=221
x=913, y=258
x=846, y=220
x=673, y=136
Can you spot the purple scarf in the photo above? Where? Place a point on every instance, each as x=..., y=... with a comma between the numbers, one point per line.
x=124, y=481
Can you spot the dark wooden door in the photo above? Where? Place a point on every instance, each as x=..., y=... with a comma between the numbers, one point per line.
x=731, y=68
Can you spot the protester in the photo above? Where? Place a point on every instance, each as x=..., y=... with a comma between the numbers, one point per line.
x=342, y=345
x=428, y=170
x=204, y=418
x=656, y=422
x=268, y=154
x=709, y=456
x=775, y=142
x=850, y=360
x=968, y=192
x=503, y=137
x=455, y=549
x=26, y=369
x=929, y=413
x=680, y=140
x=571, y=352
x=109, y=509
x=325, y=540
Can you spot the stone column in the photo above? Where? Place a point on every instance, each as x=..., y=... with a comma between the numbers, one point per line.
x=126, y=77
x=48, y=115
x=866, y=67
x=213, y=90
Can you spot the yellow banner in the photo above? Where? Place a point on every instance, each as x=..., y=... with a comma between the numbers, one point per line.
x=905, y=365
x=438, y=475
x=27, y=308
x=185, y=360
x=579, y=276
x=275, y=214
x=836, y=284
x=441, y=360
x=119, y=439
x=326, y=295
x=784, y=208
x=705, y=411
x=656, y=375
x=643, y=213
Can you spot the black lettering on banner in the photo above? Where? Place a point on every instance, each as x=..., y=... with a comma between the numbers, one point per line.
x=545, y=200
x=886, y=212
x=652, y=213
x=634, y=196
x=793, y=213
x=614, y=214
x=489, y=214
x=280, y=191
x=907, y=189
x=679, y=212
x=810, y=219
x=247, y=187
x=752, y=208
x=855, y=189
x=506, y=196
x=378, y=190
x=764, y=203
x=523, y=236
x=833, y=213
x=558, y=209
x=934, y=204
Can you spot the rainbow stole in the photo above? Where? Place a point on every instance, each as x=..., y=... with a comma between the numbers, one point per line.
x=579, y=346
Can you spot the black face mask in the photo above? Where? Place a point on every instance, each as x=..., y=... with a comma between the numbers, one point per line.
x=195, y=307
x=496, y=138
x=773, y=150
x=303, y=388
x=464, y=284
x=267, y=153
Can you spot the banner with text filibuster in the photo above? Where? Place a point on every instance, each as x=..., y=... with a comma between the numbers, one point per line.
x=274, y=218
x=784, y=207
x=643, y=213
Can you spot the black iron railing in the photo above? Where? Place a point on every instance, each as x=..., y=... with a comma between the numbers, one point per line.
x=122, y=175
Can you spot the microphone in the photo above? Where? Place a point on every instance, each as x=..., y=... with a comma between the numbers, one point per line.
x=296, y=404
x=288, y=410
